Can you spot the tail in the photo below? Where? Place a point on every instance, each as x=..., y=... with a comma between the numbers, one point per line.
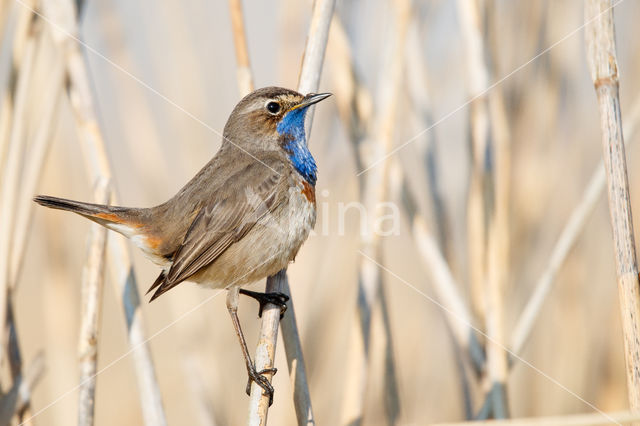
x=158, y=283
x=120, y=219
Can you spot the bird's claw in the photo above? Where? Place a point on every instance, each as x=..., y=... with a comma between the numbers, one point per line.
x=275, y=298
x=262, y=381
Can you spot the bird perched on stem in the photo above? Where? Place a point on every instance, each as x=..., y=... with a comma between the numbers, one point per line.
x=242, y=218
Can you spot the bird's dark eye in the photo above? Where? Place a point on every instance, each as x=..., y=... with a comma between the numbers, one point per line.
x=273, y=107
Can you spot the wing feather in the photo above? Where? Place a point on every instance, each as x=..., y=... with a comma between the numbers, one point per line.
x=251, y=193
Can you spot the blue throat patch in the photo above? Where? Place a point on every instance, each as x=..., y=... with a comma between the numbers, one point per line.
x=292, y=127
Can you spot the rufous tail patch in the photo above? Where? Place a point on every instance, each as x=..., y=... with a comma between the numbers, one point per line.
x=113, y=218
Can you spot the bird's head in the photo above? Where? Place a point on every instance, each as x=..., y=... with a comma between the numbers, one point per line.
x=273, y=118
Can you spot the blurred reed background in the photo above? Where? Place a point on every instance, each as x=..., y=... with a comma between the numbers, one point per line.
x=162, y=73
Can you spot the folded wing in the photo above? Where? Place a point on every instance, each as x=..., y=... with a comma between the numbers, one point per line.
x=252, y=193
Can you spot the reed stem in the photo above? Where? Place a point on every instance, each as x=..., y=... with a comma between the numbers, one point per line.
x=92, y=286
x=120, y=262
x=602, y=61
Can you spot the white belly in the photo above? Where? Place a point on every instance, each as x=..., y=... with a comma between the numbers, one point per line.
x=270, y=245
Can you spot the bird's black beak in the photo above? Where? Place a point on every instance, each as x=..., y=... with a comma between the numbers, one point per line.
x=310, y=99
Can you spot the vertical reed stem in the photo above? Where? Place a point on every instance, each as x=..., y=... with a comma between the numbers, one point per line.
x=569, y=235
x=601, y=57
x=375, y=190
x=487, y=218
x=243, y=68
x=92, y=286
x=9, y=188
x=119, y=256
x=34, y=166
x=477, y=78
x=98, y=167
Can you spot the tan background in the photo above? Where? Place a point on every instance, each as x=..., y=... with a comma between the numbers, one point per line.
x=184, y=51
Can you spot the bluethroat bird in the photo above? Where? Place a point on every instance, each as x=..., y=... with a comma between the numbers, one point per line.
x=242, y=218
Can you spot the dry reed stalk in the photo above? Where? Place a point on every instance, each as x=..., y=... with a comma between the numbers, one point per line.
x=458, y=315
x=14, y=353
x=488, y=200
x=5, y=11
x=22, y=409
x=591, y=419
x=11, y=176
x=17, y=31
x=92, y=288
x=352, y=99
x=497, y=268
x=601, y=57
x=418, y=92
x=34, y=166
x=477, y=81
x=15, y=34
x=119, y=257
x=498, y=261
x=243, y=67
x=18, y=396
x=470, y=354
x=355, y=110
x=432, y=249
x=5, y=128
x=98, y=167
x=28, y=164
x=569, y=235
x=7, y=70
x=265, y=351
x=374, y=191
x=313, y=55
x=31, y=378
x=295, y=363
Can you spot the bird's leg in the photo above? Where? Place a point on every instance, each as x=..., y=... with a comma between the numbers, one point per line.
x=255, y=376
x=275, y=298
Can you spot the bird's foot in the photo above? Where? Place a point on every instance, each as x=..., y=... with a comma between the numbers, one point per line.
x=276, y=298
x=262, y=381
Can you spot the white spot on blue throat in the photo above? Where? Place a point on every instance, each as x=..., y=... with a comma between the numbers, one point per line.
x=292, y=126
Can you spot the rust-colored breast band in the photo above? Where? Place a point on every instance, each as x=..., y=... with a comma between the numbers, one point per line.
x=309, y=191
